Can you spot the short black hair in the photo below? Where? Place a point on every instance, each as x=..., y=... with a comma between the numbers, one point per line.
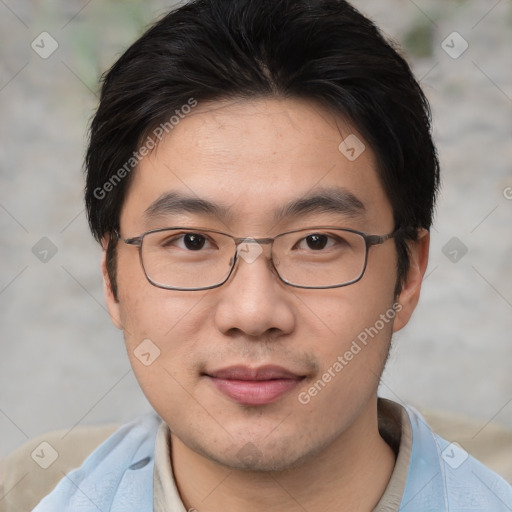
x=325, y=51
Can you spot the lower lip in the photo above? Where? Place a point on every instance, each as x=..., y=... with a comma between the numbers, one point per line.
x=254, y=392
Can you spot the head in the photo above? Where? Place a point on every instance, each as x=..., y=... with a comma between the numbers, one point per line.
x=245, y=105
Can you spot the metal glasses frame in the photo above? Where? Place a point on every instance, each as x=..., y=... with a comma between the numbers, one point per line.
x=369, y=241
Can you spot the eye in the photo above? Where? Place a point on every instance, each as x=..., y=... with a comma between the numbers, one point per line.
x=322, y=243
x=316, y=242
x=193, y=241
x=188, y=241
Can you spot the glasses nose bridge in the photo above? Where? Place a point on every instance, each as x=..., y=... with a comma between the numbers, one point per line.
x=245, y=245
x=251, y=240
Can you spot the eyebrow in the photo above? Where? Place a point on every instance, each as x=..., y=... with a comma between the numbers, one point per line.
x=326, y=200
x=173, y=203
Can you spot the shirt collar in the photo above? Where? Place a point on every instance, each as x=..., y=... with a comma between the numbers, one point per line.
x=394, y=427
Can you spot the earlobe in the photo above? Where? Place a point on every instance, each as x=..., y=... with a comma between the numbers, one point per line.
x=410, y=293
x=110, y=299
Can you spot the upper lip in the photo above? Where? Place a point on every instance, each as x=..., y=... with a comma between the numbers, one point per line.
x=267, y=372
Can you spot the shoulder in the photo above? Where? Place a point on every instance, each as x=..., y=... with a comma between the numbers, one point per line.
x=34, y=470
x=488, y=442
x=444, y=476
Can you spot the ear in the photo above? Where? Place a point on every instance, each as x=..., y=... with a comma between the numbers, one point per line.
x=113, y=307
x=410, y=294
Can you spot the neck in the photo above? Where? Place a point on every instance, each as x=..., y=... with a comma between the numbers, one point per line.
x=350, y=474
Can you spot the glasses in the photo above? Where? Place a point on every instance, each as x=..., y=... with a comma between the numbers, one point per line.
x=189, y=259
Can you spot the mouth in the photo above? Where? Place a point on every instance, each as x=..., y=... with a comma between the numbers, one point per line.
x=254, y=386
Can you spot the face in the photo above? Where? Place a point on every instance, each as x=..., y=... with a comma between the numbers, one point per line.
x=255, y=373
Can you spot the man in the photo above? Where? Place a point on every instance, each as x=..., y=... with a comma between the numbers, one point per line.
x=262, y=178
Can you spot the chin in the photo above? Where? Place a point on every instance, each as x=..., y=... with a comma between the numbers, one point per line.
x=273, y=457
x=259, y=463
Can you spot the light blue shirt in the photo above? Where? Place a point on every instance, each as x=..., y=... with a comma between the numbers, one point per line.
x=118, y=475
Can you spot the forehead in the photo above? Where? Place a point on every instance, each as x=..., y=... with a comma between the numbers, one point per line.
x=251, y=162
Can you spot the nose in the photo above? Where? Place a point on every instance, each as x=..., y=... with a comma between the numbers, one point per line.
x=254, y=301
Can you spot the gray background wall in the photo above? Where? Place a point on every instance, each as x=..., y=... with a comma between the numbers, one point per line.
x=62, y=363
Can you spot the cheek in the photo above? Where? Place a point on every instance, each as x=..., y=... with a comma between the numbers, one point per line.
x=166, y=318
x=353, y=330
x=161, y=336
x=351, y=357
x=351, y=310
x=358, y=324
x=146, y=310
x=158, y=325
